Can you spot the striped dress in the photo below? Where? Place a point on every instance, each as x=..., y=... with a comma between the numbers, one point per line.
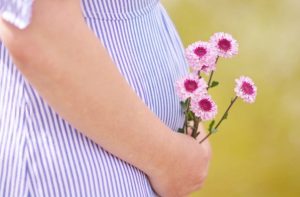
x=41, y=154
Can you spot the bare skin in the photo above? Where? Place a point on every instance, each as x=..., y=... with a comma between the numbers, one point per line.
x=68, y=65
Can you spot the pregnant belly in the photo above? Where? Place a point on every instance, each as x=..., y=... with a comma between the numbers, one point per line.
x=148, y=53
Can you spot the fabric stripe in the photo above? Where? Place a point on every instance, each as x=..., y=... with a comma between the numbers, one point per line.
x=41, y=154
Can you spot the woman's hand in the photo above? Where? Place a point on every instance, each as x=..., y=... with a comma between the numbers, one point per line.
x=189, y=170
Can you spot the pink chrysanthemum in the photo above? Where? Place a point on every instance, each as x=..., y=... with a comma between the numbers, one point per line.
x=225, y=44
x=190, y=85
x=199, y=54
x=204, y=107
x=245, y=89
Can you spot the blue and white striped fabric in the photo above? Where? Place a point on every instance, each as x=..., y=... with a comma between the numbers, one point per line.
x=41, y=154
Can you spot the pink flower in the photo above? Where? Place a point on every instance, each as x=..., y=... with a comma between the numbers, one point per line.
x=199, y=54
x=204, y=107
x=245, y=89
x=190, y=85
x=225, y=44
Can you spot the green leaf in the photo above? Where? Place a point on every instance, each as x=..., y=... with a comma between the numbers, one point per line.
x=214, y=130
x=211, y=125
x=214, y=84
x=184, y=104
x=180, y=130
x=191, y=116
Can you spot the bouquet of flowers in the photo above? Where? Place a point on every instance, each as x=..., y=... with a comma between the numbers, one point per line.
x=192, y=89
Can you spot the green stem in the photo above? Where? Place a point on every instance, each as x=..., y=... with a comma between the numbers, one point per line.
x=211, y=75
x=210, y=79
x=185, y=126
x=207, y=136
x=226, y=112
x=221, y=120
x=199, y=75
x=195, y=129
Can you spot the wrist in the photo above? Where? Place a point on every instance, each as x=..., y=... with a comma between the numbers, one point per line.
x=163, y=155
x=168, y=157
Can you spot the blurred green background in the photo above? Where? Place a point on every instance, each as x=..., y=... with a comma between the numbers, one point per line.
x=257, y=151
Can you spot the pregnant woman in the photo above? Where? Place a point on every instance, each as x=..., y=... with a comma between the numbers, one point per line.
x=87, y=101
